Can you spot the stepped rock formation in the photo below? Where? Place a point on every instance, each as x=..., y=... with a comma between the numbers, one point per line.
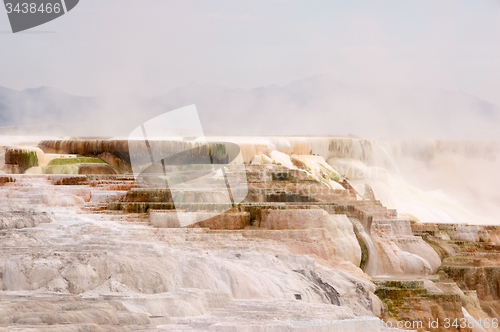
x=309, y=247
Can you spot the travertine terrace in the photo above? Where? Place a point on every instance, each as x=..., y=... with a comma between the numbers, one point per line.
x=86, y=247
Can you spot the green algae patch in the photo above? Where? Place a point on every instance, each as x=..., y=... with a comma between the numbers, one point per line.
x=330, y=173
x=80, y=165
x=83, y=168
x=60, y=169
x=72, y=161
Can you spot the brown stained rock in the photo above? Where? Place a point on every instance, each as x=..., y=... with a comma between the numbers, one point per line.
x=223, y=221
x=148, y=195
x=23, y=158
x=229, y=221
x=97, y=169
x=65, y=180
x=113, y=160
x=421, y=301
x=6, y=179
x=485, y=280
x=433, y=308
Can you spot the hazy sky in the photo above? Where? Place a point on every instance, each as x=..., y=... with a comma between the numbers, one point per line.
x=151, y=46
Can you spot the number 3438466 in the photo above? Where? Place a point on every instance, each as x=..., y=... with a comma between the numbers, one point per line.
x=32, y=8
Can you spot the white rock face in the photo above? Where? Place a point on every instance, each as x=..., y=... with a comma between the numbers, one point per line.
x=163, y=219
x=399, y=252
x=261, y=159
x=466, y=233
x=67, y=200
x=281, y=158
x=318, y=169
x=22, y=218
x=72, y=270
x=174, y=273
x=37, y=170
x=338, y=230
x=316, y=164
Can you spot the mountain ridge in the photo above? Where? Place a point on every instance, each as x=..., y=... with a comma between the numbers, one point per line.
x=314, y=106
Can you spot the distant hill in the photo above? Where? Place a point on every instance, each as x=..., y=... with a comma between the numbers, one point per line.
x=42, y=105
x=314, y=106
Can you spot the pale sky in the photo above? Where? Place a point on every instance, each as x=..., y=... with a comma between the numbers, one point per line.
x=151, y=46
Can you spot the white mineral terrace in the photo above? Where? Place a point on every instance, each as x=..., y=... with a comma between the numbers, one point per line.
x=80, y=253
x=71, y=269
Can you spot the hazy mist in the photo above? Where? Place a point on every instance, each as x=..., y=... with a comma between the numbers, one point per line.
x=314, y=106
x=389, y=69
x=149, y=47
